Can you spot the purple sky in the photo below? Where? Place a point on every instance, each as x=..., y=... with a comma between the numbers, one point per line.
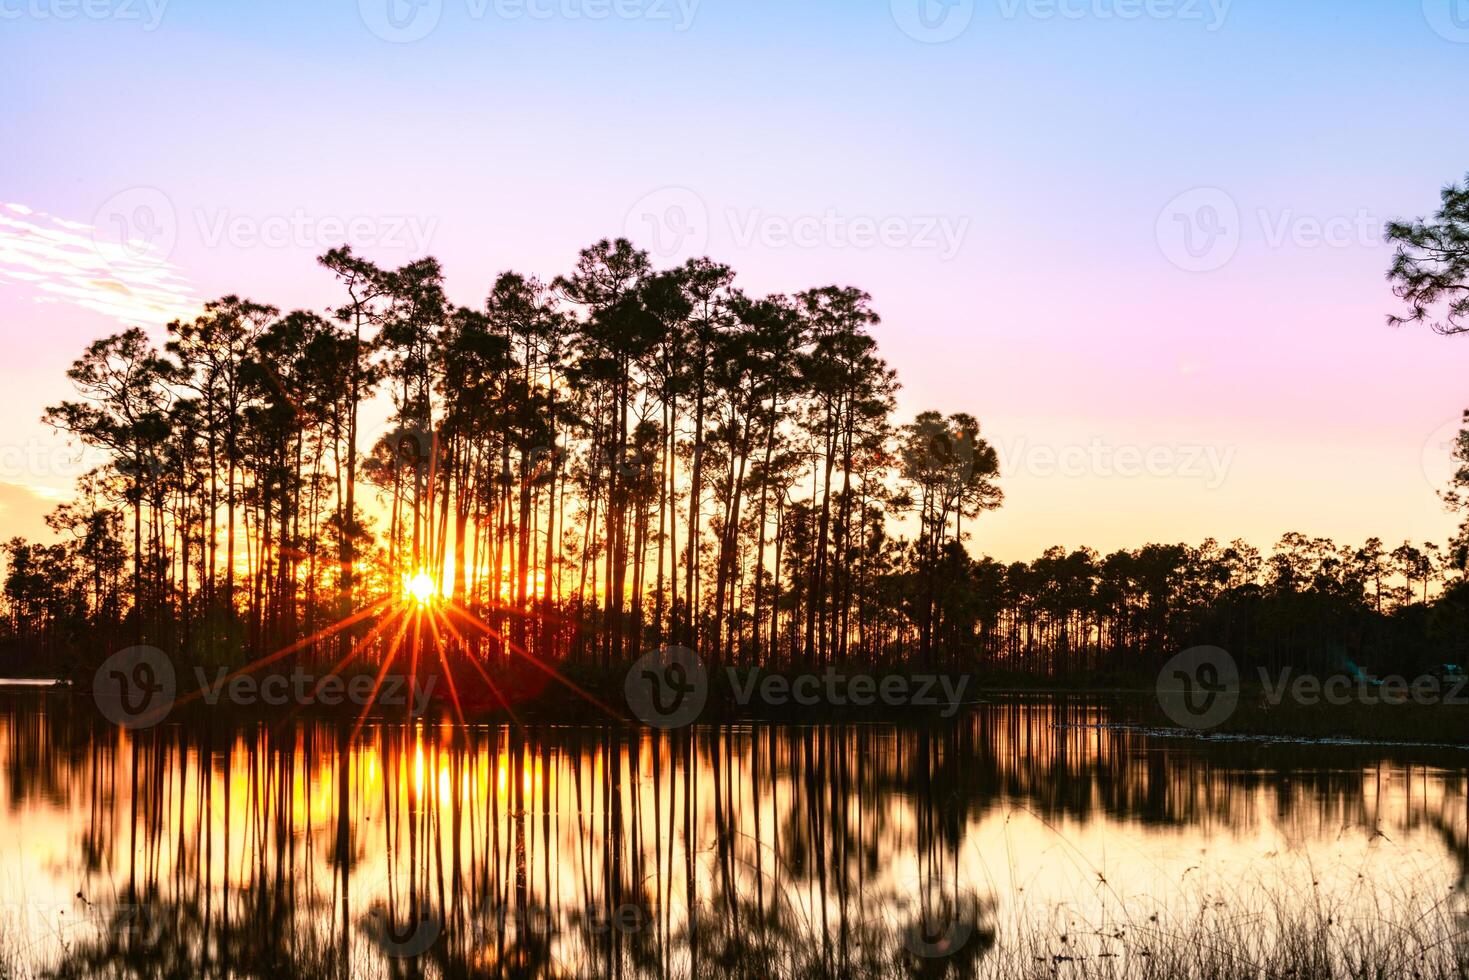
x=1141, y=241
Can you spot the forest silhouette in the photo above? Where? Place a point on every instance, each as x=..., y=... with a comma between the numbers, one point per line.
x=626, y=457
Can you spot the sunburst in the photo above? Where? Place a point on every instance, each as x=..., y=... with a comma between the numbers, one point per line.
x=420, y=589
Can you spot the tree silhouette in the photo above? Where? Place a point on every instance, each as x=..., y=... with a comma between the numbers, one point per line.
x=1430, y=267
x=624, y=458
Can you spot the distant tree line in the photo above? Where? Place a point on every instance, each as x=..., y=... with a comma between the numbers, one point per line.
x=1310, y=604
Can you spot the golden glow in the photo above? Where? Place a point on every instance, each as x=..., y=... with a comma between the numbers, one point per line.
x=420, y=589
x=1014, y=848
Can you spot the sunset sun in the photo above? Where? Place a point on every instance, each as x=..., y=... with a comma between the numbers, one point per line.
x=419, y=589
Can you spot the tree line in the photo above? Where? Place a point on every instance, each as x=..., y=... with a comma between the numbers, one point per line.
x=616, y=458
x=624, y=457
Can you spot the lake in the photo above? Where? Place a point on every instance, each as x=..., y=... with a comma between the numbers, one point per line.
x=1047, y=834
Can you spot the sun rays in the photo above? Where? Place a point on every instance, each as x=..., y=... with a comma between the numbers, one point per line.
x=421, y=640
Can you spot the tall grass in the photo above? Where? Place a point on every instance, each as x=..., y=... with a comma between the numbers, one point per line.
x=1238, y=932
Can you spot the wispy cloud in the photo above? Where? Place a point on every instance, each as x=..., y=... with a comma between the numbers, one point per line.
x=64, y=261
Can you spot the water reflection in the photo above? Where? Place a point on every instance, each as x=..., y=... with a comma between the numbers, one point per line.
x=432, y=850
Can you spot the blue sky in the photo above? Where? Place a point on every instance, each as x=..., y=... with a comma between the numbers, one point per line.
x=1025, y=169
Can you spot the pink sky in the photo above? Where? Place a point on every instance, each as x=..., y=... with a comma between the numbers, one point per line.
x=1019, y=200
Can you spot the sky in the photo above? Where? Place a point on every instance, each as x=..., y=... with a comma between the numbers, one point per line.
x=1140, y=240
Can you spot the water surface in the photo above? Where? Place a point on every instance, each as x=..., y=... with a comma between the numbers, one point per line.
x=433, y=849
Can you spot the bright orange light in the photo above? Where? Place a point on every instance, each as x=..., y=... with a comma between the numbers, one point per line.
x=419, y=588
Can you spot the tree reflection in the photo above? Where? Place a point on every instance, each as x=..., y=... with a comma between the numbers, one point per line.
x=443, y=851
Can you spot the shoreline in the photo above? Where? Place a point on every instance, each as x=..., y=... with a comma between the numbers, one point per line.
x=1135, y=707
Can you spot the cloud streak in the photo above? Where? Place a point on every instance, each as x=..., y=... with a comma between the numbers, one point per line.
x=64, y=261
